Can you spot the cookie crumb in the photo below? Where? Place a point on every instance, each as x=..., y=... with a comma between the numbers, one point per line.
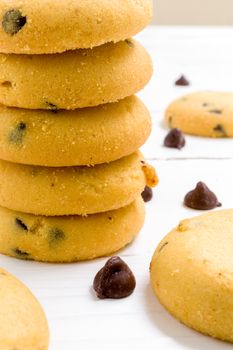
x=150, y=174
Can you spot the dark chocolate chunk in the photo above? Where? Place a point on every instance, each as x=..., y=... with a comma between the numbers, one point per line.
x=129, y=43
x=205, y=104
x=21, y=224
x=16, y=135
x=21, y=254
x=201, y=198
x=219, y=128
x=115, y=280
x=55, y=236
x=147, y=194
x=51, y=107
x=174, y=139
x=182, y=81
x=7, y=84
x=13, y=21
x=216, y=111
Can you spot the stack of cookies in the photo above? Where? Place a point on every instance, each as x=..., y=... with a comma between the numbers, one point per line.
x=71, y=175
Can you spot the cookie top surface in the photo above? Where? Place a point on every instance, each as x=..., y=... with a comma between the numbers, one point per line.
x=52, y=26
x=113, y=72
x=85, y=136
x=191, y=273
x=207, y=114
x=206, y=238
x=22, y=321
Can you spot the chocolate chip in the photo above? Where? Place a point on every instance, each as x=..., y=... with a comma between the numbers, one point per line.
x=201, y=198
x=219, y=128
x=22, y=126
x=13, y=21
x=55, y=236
x=216, y=111
x=21, y=254
x=16, y=135
x=174, y=139
x=129, y=43
x=21, y=224
x=147, y=194
x=115, y=280
x=182, y=81
x=7, y=84
x=51, y=107
x=205, y=104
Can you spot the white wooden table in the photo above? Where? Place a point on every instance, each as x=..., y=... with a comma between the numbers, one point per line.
x=78, y=320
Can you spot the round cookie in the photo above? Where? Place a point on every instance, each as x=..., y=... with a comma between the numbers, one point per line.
x=71, y=190
x=191, y=273
x=69, y=238
x=50, y=26
x=23, y=325
x=74, y=79
x=86, y=136
x=203, y=114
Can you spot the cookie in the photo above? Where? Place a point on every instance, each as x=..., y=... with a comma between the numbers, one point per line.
x=203, y=114
x=52, y=26
x=71, y=190
x=74, y=79
x=23, y=325
x=191, y=273
x=86, y=136
x=69, y=238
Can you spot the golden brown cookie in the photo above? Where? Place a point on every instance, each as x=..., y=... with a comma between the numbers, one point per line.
x=86, y=136
x=191, y=273
x=74, y=79
x=71, y=190
x=23, y=325
x=50, y=26
x=69, y=238
x=203, y=114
